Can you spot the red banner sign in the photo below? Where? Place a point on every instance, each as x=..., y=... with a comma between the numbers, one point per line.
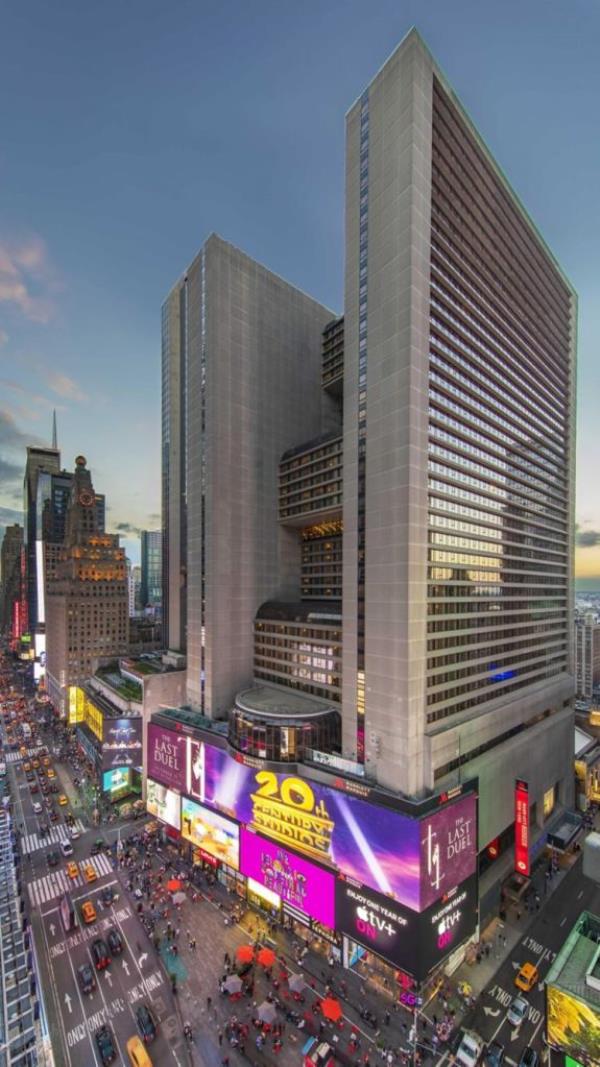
x=522, y=827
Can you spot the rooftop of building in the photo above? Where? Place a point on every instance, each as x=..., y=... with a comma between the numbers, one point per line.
x=270, y=701
x=188, y=717
x=111, y=711
x=124, y=687
x=576, y=969
x=301, y=610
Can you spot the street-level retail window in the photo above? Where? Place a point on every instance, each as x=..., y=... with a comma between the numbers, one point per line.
x=549, y=801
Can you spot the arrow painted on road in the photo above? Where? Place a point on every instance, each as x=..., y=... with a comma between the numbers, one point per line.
x=108, y=978
x=514, y=1034
x=143, y=957
x=516, y=966
x=52, y=929
x=540, y=987
x=126, y=968
x=68, y=1003
x=491, y=1011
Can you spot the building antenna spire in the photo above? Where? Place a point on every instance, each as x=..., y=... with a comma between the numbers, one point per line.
x=54, y=435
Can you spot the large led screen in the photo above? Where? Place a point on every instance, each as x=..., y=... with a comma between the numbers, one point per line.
x=301, y=884
x=416, y=943
x=573, y=1025
x=163, y=803
x=414, y=861
x=122, y=742
x=211, y=832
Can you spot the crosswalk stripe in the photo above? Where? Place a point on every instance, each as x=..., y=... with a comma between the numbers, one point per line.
x=56, y=883
x=56, y=834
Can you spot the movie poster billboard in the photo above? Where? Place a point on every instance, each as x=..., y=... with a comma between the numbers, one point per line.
x=297, y=882
x=163, y=803
x=211, y=833
x=414, y=861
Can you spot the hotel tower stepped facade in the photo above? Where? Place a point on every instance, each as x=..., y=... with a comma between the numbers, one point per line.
x=375, y=511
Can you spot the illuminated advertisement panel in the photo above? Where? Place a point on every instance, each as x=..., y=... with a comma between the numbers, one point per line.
x=121, y=742
x=572, y=1026
x=163, y=803
x=414, y=861
x=413, y=942
x=211, y=832
x=521, y=827
x=297, y=882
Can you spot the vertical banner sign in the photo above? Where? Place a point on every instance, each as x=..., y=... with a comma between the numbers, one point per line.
x=521, y=827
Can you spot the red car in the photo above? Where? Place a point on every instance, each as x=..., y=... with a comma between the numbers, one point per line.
x=100, y=954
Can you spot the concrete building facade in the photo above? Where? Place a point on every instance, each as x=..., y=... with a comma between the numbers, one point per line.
x=10, y=571
x=587, y=656
x=247, y=347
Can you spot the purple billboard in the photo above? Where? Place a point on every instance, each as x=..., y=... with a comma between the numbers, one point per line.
x=301, y=884
x=414, y=861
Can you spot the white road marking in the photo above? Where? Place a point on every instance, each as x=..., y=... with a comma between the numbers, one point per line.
x=57, y=882
x=563, y=921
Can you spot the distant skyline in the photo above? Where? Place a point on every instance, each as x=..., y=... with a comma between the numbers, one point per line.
x=132, y=131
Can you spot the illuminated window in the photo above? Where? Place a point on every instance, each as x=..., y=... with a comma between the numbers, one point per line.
x=549, y=801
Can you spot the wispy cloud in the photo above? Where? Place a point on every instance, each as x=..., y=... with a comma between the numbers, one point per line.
x=27, y=278
x=64, y=386
x=127, y=528
x=587, y=538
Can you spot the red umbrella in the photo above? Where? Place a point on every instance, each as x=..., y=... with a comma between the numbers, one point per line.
x=173, y=885
x=266, y=957
x=244, y=954
x=332, y=1009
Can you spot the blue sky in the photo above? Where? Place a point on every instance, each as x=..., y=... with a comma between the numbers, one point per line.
x=131, y=130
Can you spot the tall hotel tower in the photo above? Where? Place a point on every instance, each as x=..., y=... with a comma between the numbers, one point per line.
x=410, y=562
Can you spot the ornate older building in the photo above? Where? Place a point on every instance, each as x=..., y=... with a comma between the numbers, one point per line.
x=87, y=603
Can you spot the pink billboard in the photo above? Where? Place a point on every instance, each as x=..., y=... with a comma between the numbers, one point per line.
x=301, y=884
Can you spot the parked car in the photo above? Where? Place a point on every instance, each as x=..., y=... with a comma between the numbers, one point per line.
x=529, y=1057
x=100, y=954
x=115, y=941
x=86, y=979
x=105, y=1045
x=494, y=1054
x=517, y=1011
x=145, y=1023
x=470, y=1049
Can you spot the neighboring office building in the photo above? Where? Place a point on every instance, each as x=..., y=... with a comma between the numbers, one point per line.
x=10, y=567
x=110, y=711
x=151, y=573
x=86, y=610
x=587, y=655
x=39, y=461
x=442, y=509
x=133, y=589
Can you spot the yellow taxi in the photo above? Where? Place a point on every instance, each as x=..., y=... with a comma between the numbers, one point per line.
x=35, y=763
x=527, y=977
x=90, y=873
x=62, y=800
x=27, y=767
x=72, y=870
x=88, y=912
x=51, y=773
x=137, y=1052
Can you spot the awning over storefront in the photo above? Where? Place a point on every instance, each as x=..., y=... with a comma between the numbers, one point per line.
x=563, y=830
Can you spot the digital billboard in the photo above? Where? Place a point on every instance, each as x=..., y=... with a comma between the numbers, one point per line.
x=414, y=861
x=211, y=832
x=521, y=827
x=572, y=1025
x=415, y=943
x=122, y=742
x=163, y=803
x=299, y=883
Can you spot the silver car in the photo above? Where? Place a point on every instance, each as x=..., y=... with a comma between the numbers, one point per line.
x=517, y=1011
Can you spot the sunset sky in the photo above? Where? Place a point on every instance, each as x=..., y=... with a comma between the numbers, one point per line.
x=130, y=131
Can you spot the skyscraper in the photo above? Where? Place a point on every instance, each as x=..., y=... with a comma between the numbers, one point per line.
x=411, y=561
x=241, y=383
x=10, y=568
x=151, y=575
x=87, y=600
x=40, y=461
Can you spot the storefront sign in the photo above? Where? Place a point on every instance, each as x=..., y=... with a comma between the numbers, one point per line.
x=414, y=861
x=297, y=882
x=164, y=803
x=121, y=742
x=212, y=833
x=522, y=827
